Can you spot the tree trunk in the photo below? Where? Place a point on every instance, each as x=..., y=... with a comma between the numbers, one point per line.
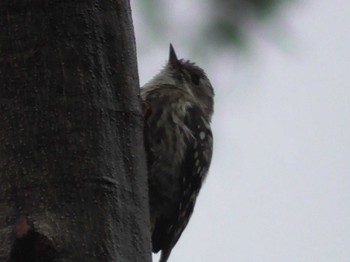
x=72, y=168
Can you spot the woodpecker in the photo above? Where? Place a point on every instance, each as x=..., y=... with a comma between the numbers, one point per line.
x=178, y=106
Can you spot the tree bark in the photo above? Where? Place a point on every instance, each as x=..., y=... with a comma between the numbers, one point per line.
x=73, y=184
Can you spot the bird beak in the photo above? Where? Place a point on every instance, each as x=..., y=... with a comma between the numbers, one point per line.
x=173, y=61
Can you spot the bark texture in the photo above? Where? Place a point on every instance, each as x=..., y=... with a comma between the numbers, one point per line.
x=72, y=166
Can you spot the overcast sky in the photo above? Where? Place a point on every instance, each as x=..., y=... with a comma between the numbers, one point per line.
x=279, y=184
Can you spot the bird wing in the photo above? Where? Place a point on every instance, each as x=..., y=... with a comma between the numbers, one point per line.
x=194, y=170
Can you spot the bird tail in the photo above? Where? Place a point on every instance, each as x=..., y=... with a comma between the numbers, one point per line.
x=165, y=255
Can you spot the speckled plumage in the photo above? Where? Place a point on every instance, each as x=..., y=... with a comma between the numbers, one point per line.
x=178, y=105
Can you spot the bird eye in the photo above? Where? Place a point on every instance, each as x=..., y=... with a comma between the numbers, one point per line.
x=195, y=79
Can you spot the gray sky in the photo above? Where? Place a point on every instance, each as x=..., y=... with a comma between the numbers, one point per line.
x=279, y=184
